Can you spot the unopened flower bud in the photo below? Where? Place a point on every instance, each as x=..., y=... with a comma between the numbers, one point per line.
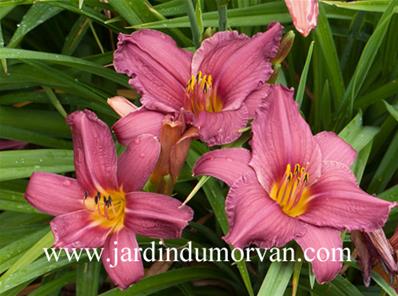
x=285, y=47
x=121, y=105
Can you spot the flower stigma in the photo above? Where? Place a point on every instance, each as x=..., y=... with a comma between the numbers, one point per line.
x=107, y=208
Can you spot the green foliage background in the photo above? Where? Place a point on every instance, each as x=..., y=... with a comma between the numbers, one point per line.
x=56, y=57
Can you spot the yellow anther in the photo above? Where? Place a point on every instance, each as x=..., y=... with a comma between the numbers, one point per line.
x=291, y=192
x=201, y=96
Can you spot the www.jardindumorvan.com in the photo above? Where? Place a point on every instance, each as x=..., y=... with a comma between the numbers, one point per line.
x=157, y=251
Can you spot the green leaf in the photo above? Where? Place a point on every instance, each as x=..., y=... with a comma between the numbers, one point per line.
x=43, y=121
x=361, y=161
x=381, y=93
x=18, y=246
x=87, y=278
x=21, y=164
x=171, y=8
x=78, y=63
x=36, y=15
x=393, y=110
x=75, y=35
x=199, y=17
x=339, y=286
x=127, y=11
x=356, y=135
x=5, y=10
x=30, y=255
x=383, y=284
x=138, y=11
x=14, y=201
x=261, y=14
x=32, y=271
x=13, y=133
x=54, y=101
x=196, y=33
x=50, y=287
x=390, y=194
x=3, y=61
x=324, y=39
x=222, y=7
x=276, y=279
x=311, y=276
x=366, y=60
x=245, y=276
x=91, y=12
x=297, y=271
x=152, y=284
x=386, y=169
x=303, y=77
x=363, y=5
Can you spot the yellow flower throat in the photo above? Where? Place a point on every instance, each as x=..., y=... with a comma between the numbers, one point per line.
x=107, y=208
x=291, y=192
x=201, y=94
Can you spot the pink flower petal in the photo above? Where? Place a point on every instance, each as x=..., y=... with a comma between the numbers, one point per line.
x=256, y=219
x=227, y=165
x=215, y=50
x=125, y=270
x=280, y=137
x=304, y=14
x=159, y=70
x=121, y=105
x=137, y=123
x=237, y=63
x=333, y=148
x=223, y=127
x=322, y=241
x=78, y=230
x=336, y=201
x=136, y=164
x=156, y=215
x=54, y=194
x=257, y=98
x=94, y=152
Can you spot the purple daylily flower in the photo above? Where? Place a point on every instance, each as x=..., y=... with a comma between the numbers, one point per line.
x=217, y=88
x=292, y=186
x=103, y=206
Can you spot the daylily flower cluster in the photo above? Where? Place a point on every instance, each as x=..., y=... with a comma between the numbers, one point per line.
x=291, y=185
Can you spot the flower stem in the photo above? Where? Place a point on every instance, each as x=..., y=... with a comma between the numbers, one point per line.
x=194, y=24
x=222, y=14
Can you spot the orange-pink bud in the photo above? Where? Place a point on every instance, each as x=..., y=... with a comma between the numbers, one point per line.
x=121, y=105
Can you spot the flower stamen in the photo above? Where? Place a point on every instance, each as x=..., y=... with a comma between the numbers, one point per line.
x=107, y=209
x=201, y=95
x=292, y=192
